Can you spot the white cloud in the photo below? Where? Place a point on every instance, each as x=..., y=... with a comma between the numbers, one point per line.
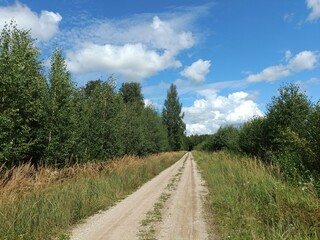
x=43, y=26
x=314, y=81
x=165, y=37
x=206, y=115
x=197, y=71
x=136, y=51
x=149, y=103
x=288, y=55
x=305, y=60
x=134, y=61
x=314, y=5
x=270, y=74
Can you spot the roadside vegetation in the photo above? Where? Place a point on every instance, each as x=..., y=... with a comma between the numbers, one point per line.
x=59, y=143
x=288, y=136
x=38, y=204
x=247, y=200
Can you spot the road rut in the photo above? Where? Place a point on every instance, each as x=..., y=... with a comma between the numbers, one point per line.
x=181, y=214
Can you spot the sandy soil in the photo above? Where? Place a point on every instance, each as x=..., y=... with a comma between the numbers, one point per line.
x=181, y=216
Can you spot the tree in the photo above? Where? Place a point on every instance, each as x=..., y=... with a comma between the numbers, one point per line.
x=22, y=92
x=61, y=112
x=131, y=93
x=313, y=137
x=173, y=118
x=287, y=117
x=154, y=131
x=101, y=135
x=226, y=138
x=252, y=137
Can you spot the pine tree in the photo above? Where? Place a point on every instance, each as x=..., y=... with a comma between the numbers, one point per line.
x=173, y=118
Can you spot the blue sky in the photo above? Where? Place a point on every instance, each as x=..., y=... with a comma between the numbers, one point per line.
x=227, y=58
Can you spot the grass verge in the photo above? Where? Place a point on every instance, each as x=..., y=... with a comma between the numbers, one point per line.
x=42, y=204
x=247, y=201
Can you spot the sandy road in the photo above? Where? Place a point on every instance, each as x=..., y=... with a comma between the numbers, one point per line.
x=183, y=218
x=181, y=214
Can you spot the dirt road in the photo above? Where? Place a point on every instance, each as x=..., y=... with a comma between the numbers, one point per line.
x=167, y=207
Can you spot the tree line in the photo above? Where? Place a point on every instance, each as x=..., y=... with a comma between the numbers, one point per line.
x=288, y=136
x=46, y=119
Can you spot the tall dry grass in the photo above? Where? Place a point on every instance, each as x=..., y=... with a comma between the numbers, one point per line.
x=40, y=204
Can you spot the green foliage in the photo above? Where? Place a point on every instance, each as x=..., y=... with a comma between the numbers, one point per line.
x=313, y=137
x=249, y=202
x=50, y=121
x=61, y=115
x=287, y=136
x=173, y=118
x=252, y=137
x=22, y=94
x=195, y=141
x=155, y=131
x=287, y=112
x=226, y=138
x=131, y=93
x=100, y=136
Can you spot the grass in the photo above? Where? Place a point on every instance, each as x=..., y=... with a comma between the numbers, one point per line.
x=43, y=204
x=248, y=201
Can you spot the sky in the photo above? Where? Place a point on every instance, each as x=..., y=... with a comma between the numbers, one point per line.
x=227, y=58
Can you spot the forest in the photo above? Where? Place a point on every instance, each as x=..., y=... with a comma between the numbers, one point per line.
x=46, y=119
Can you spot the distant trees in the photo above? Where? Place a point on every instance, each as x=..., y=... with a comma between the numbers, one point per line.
x=173, y=118
x=196, y=141
x=226, y=138
x=45, y=119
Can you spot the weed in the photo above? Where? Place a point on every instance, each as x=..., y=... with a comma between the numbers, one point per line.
x=42, y=204
x=249, y=202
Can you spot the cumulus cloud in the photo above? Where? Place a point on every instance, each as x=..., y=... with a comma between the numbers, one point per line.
x=165, y=37
x=43, y=26
x=197, y=71
x=134, y=61
x=206, y=115
x=314, y=6
x=305, y=60
x=136, y=51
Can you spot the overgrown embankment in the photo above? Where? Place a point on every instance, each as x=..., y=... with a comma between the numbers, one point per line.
x=248, y=201
x=40, y=204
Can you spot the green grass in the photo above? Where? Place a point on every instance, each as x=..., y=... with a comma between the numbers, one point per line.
x=247, y=201
x=46, y=212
